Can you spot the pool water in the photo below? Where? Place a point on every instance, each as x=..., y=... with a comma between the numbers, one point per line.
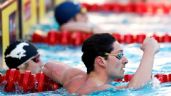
x=72, y=56
x=118, y=23
x=113, y=22
x=162, y=62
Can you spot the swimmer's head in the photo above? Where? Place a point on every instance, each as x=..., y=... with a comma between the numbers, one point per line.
x=19, y=55
x=94, y=46
x=66, y=11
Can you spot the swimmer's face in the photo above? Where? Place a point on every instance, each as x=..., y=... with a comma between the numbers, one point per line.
x=81, y=17
x=34, y=65
x=116, y=62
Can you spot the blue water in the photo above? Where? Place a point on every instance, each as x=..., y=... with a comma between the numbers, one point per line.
x=120, y=23
x=72, y=56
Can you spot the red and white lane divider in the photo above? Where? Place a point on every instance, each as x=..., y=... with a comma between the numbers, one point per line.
x=14, y=81
x=138, y=8
x=163, y=78
x=77, y=38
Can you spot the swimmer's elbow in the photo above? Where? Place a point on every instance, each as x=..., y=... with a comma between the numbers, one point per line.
x=133, y=84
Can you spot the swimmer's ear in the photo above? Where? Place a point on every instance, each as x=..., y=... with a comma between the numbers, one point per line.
x=100, y=61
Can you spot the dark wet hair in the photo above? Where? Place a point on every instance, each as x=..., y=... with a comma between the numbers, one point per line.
x=96, y=45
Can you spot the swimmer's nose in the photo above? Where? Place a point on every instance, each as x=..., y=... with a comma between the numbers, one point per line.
x=125, y=60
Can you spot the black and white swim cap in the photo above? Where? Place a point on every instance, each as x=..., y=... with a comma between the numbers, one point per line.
x=19, y=52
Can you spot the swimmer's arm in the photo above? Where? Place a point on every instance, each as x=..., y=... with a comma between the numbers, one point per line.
x=60, y=72
x=144, y=72
x=85, y=27
x=76, y=26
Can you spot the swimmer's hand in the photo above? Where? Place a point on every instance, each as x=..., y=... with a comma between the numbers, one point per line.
x=151, y=45
x=143, y=73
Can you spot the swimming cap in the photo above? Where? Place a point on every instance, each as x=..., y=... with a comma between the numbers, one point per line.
x=18, y=53
x=65, y=11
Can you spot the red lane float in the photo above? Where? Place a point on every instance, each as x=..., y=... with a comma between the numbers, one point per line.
x=11, y=78
x=166, y=38
x=128, y=38
x=13, y=81
x=106, y=7
x=118, y=37
x=40, y=78
x=158, y=38
x=2, y=78
x=53, y=37
x=38, y=36
x=77, y=38
x=128, y=77
x=138, y=8
x=140, y=38
x=27, y=82
x=169, y=77
x=86, y=35
x=162, y=77
x=65, y=37
x=116, y=7
x=129, y=8
x=94, y=7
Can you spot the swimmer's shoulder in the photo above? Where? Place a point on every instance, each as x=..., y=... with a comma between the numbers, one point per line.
x=74, y=74
x=73, y=83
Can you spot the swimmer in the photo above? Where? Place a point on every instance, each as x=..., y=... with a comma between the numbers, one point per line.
x=71, y=17
x=105, y=61
x=23, y=56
